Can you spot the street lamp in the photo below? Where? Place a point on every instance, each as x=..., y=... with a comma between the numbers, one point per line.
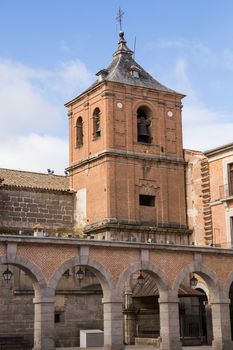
x=7, y=274
x=193, y=281
x=141, y=279
x=80, y=274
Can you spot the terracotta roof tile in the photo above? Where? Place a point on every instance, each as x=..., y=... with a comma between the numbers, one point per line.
x=33, y=180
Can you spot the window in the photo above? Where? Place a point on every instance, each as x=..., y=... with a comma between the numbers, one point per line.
x=230, y=183
x=96, y=123
x=135, y=73
x=146, y=200
x=143, y=125
x=57, y=317
x=79, y=132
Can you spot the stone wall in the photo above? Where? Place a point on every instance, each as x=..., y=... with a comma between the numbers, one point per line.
x=21, y=209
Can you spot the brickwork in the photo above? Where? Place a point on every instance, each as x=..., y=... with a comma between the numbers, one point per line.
x=221, y=201
x=195, y=197
x=21, y=209
x=120, y=260
x=50, y=257
x=162, y=259
x=113, y=171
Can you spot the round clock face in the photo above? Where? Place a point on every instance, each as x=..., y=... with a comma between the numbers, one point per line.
x=119, y=105
x=170, y=114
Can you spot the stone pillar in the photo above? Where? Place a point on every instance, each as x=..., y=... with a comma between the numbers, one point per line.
x=221, y=325
x=113, y=324
x=129, y=313
x=169, y=323
x=44, y=323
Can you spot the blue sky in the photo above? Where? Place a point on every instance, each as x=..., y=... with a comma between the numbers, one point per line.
x=50, y=51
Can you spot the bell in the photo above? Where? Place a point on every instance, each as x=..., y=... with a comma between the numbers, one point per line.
x=143, y=129
x=143, y=132
x=98, y=128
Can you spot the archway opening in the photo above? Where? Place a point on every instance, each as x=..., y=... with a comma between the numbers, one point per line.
x=78, y=310
x=195, y=314
x=231, y=308
x=141, y=309
x=17, y=308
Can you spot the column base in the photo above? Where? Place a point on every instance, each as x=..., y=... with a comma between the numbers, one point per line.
x=219, y=345
x=113, y=347
x=176, y=345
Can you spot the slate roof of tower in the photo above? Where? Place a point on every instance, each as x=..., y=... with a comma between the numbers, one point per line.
x=119, y=71
x=27, y=179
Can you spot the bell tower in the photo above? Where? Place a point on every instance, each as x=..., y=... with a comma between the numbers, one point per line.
x=126, y=155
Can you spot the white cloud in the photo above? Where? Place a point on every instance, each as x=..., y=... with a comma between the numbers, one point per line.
x=203, y=127
x=35, y=153
x=32, y=104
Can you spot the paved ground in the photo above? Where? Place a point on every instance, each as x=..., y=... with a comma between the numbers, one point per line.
x=144, y=348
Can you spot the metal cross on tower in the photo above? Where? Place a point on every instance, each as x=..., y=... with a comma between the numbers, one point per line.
x=119, y=17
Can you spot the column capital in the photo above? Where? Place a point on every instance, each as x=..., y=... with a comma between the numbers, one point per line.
x=220, y=301
x=110, y=300
x=168, y=297
x=39, y=300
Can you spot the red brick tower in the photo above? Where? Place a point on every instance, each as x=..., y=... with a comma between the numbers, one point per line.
x=126, y=155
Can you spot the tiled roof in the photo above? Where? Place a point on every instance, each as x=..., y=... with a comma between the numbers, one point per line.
x=27, y=179
x=150, y=289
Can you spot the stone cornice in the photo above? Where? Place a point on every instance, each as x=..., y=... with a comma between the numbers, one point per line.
x=126, y=154
x=6, y=239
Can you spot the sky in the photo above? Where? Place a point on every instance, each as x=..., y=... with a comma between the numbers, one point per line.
x=50, y=51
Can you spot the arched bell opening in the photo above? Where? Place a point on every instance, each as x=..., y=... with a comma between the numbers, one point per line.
x=143, y=124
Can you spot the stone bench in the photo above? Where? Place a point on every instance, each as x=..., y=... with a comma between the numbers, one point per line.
x=148, y=341
x=91, y=338
x=12, y=343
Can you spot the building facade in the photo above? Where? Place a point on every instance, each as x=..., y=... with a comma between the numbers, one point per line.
x=209, y=195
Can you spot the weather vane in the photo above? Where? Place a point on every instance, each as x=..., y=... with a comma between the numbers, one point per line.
x=119, y=17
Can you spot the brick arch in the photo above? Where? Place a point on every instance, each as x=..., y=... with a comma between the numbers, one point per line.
x=145, y=103
x=104, y=277
x=227, y=286
x=208, y=275
x=159, y=276
x=35, y=273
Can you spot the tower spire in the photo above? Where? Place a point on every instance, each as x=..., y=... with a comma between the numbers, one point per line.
x=122, y=47
x=119, y=17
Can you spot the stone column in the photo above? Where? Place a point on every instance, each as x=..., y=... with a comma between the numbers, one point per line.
x=169, y=322
x=129, y=313
x=44, y=323
x=221, y=325
x=113, y=324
